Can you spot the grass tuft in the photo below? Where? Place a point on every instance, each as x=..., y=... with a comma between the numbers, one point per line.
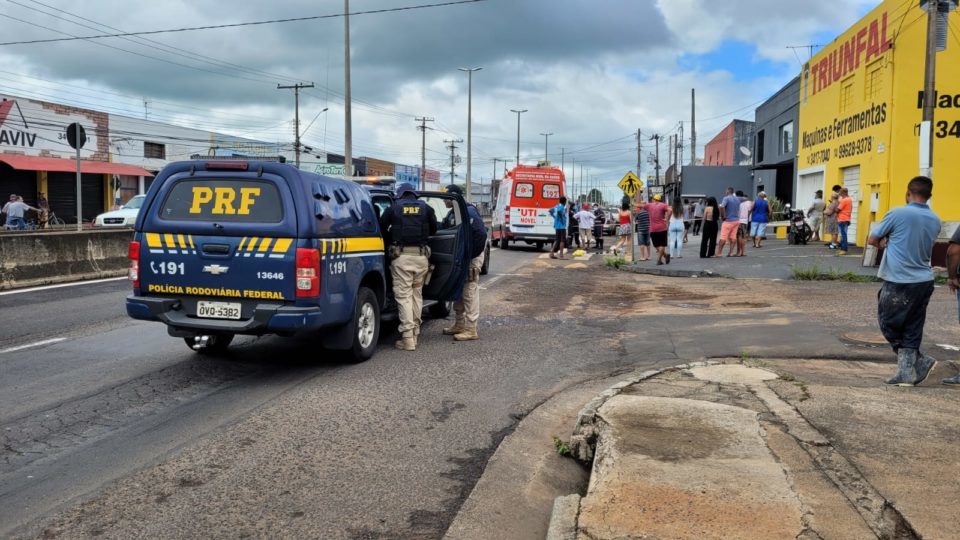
x=815, y=273
x=561, y=446
x=614, y=261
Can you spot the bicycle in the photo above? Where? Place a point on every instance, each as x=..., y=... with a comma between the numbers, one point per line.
x=54, y=221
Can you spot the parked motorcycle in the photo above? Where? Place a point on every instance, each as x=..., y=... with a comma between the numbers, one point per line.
x=799, y=231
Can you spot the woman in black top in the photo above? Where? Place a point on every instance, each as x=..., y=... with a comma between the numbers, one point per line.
x=711, y=217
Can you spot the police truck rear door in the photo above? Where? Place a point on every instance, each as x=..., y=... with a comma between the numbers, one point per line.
x=222, y=240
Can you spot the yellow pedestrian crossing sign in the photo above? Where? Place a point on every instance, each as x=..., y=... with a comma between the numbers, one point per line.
x=630, y=184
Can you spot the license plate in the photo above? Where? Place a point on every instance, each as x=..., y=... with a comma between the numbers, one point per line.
x=218, y=310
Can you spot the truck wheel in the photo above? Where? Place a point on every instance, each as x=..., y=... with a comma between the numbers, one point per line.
x=366, y=325
x=485, y=269
x=539, y=246
x=217, y=344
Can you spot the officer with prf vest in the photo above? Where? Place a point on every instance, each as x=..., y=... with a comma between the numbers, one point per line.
x=467, y=307
x=408, y=225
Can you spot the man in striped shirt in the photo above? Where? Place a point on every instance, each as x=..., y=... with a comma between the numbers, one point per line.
x=643, y=232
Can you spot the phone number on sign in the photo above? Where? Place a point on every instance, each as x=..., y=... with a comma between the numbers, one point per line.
x=855, y=148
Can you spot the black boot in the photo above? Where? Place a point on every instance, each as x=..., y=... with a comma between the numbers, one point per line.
x=906, y=368
x=923, y=365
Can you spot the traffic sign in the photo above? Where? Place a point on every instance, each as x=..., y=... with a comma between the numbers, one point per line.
x=630, y=184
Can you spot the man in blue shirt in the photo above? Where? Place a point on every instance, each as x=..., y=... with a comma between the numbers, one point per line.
x=559, y=213
x=907, y=234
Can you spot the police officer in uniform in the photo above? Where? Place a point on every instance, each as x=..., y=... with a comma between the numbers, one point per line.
x=408, y=226
x=467, y=307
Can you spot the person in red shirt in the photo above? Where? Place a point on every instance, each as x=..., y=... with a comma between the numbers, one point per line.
x=844, y=214
x=659, y=213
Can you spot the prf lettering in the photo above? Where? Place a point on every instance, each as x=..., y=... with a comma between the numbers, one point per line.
x=223, y=200
x=411, y=209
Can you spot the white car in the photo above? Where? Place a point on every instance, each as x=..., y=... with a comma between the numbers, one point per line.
x=126, y=216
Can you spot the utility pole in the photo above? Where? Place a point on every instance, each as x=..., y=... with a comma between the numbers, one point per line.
x=932, y=8
x=347, y=113
x=469, y=123
x=423, y=149
x=573, y=175
x=546, y=146
x=656, y=159
x=693, y=126
x=519, y=112
x=639, y=158
x=296, y=115
x=453, y=158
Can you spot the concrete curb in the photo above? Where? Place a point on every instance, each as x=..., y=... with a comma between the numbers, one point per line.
x=672, y=273
x=583, y=441
x=563, y=519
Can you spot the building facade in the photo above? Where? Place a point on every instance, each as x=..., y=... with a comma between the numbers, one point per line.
x=732, y=146
x=861, y=103
x=775, y=144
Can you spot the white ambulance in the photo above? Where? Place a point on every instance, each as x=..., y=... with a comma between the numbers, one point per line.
x=522, y=211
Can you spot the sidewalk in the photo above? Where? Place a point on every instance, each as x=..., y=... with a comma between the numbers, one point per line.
x=775, y=260
x=767, y=449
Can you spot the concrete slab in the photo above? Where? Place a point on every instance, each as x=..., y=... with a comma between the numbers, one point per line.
x=671, y=461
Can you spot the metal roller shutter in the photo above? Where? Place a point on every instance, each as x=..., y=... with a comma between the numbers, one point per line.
x=23, y=183
x=63, y=195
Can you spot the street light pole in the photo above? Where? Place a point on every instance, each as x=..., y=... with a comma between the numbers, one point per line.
x=469, y=72
x=347, y=113
x=519, y=112
x=546, y=146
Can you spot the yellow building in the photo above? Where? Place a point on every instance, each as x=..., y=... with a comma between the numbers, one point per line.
x=860, y=110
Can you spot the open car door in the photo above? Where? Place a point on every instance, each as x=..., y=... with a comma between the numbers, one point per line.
x=450, y=247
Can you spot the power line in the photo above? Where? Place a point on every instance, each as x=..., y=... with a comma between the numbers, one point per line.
x=235, y=25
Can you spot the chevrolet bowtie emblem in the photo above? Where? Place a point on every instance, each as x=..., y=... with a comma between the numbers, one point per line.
x=216, y=269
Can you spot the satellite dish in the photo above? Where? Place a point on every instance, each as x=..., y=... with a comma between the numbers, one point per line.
x=746, y=151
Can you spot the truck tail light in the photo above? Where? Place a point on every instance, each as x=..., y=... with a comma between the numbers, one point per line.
x=133, y=253
x=308, y=272
x=506, y=214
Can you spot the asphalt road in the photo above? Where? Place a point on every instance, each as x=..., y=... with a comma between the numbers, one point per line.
x=94, y=405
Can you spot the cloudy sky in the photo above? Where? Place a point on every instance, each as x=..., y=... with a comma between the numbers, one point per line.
x=591, y=72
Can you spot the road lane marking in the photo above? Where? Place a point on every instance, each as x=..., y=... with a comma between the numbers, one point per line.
x=60, y=285
x=34, y=344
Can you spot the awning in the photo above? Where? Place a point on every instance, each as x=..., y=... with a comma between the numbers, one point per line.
x=49, y=164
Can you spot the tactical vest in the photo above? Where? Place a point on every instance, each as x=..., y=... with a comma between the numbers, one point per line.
x=410, y=226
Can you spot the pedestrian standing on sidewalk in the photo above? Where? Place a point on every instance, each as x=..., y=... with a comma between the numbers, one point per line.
x=907, y=234
x=585, y=221
x=659, y=212
x=730, y=215
x=687, y=218
x=953, y=282
x=830, y=220
x=676, y=230
x=600, y=219
x=815, y=213
x=573, y=226
x=624, y=228
x=643, y=232
x=467, y=307
x=711, y=224
x=743, y=230
x=559, y=213
x=844, y=214
x=698, y=216
x=409, y=224
x=759, y=219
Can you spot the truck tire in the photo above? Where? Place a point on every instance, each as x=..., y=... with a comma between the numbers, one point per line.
x=366, y=326
x=217, y=344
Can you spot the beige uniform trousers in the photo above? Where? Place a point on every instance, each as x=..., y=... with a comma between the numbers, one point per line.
x=409, y=272
x=468, y=307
